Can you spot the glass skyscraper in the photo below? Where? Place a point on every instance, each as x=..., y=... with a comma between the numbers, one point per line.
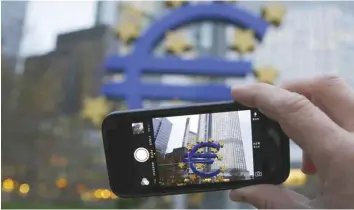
x=224, y=128
x=162, y=130
x=13, y=14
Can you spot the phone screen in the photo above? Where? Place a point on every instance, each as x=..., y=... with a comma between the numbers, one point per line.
x=192, y=151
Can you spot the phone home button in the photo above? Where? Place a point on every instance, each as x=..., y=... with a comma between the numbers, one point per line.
x=141, y=154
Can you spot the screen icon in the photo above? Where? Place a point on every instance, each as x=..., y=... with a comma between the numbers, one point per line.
x=258, y=174
x=144, y=182
x=138, y=128
x=141, y=154
x=255, y=116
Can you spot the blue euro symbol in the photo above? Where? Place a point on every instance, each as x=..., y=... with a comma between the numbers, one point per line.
x=141, y=60
x=208, y=158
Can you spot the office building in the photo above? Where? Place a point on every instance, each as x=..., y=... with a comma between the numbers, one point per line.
x=224, y=128
x=64, y=77
x=13, y=14
x=189, y=137
x=192, y=137
x=186, y=133
x=162, y=130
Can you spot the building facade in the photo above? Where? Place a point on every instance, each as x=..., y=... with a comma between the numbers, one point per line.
x=13, y=14
x=224, y=128
x=186, y=133
x=63, y=78
x=192, y=137
x=162, y=130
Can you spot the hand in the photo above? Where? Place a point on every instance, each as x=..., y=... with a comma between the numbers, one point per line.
x=318, y=115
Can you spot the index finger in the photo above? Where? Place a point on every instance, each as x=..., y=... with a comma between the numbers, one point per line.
x=331, y=94
x=303, y=122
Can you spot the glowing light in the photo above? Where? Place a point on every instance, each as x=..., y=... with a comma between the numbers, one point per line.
x=296, y=178
x=8, y=185
x=24, y=188
x=85, y=196
x=98, y=193
x=105, y=194
x=61, y=183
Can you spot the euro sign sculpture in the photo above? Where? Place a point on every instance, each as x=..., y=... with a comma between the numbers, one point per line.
x=195, y=156
x=141, y=60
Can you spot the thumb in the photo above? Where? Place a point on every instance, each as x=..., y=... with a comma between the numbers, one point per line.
x=269, y=197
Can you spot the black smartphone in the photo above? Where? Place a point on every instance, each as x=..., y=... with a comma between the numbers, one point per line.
x=203, y=147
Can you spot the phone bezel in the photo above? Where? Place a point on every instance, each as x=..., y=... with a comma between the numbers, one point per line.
x=186, y=110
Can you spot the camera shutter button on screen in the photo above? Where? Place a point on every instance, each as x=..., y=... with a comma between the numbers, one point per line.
x=141, y=154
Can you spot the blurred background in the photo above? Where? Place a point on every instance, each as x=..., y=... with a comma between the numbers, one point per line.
x=52, y=74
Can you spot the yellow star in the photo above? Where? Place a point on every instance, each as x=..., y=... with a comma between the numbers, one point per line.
x=95, y=109
x=219, y=157
x=266, y=75
x=222, y=169
x=199, y=141
x=193, y=177
x=176, y=43
x=210, y=140
x=214, y=150
x=175, y=4
x=221, y=144
x=207, y=180
x=132, y=12
x=181, y=165
x=128, y=31
x=273, y=14
x=199, y=165
x=189, y=147
x=219, y=178
x=244, y=41
x=200, y=150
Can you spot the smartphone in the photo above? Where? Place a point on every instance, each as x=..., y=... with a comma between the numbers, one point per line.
x=197, y=148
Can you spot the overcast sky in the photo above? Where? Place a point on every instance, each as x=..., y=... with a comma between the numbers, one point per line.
x=46, y=19
x=178, y=127
x=177, y=132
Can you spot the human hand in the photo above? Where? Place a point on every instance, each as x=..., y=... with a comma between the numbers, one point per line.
x=318, y=115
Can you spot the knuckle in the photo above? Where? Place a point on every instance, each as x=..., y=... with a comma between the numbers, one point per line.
x=295, y=104
x=330, y=80
x=257, y=88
